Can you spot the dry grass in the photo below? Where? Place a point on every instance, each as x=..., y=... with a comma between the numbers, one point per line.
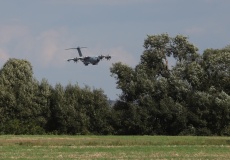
x=114, y=147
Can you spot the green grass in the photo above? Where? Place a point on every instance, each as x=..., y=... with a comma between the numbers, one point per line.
x=114, y=147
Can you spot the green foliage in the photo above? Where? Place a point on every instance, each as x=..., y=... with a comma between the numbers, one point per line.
x=79, y=111
x=18, y=92
x=31, y=107
x=153, y=99
x=191, y=98
x=217, y=67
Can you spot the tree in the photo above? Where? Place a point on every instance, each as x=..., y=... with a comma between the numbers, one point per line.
x=209, y=103
x=78, y=121
x=76, y=110
x=152, y=94
x=17, y=98
x=43, y=101
x=216, y=64
x=57, y=123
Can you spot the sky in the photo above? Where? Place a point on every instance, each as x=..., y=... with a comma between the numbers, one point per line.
x=40, y=31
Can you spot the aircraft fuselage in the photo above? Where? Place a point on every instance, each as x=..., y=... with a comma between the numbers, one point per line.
x=90, y=60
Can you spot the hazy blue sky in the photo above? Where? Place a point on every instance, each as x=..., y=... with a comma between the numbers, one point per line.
x=41, y=30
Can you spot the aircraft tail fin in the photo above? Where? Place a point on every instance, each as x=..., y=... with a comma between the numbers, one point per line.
x=79, y=51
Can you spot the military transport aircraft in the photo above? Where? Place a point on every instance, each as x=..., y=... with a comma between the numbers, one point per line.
x=88, y=59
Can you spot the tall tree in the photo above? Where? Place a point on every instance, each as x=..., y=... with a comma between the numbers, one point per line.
x=58, y=123
x=16, y=99
x=217, y=67
x=43, y=101
x=210, y=101
x=153, y=95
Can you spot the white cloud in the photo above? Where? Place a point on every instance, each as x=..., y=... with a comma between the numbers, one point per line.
x=10, y=32
x=12, y=37
x=4, y=56
x=194, y=30
x=48, y=46
x=51, y=49
x=120, y=55
x=44, y=49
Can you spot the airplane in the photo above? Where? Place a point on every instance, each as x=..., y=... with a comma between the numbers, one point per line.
x=87, y=59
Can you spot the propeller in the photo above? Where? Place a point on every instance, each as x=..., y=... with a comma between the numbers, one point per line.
x=101, y=56
x=108, y=57
x=74, y=59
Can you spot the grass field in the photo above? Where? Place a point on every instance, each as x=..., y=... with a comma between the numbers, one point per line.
x=114, y=147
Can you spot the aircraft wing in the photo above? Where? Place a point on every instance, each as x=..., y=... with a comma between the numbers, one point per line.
x=108, y=57
x=73, y=59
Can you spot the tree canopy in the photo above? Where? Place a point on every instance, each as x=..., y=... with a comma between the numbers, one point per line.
x=31, y=107
x=191, y=97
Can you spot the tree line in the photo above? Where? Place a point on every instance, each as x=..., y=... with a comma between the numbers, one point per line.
x=191, y=97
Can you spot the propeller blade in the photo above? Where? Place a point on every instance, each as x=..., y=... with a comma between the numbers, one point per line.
x=108, y=57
